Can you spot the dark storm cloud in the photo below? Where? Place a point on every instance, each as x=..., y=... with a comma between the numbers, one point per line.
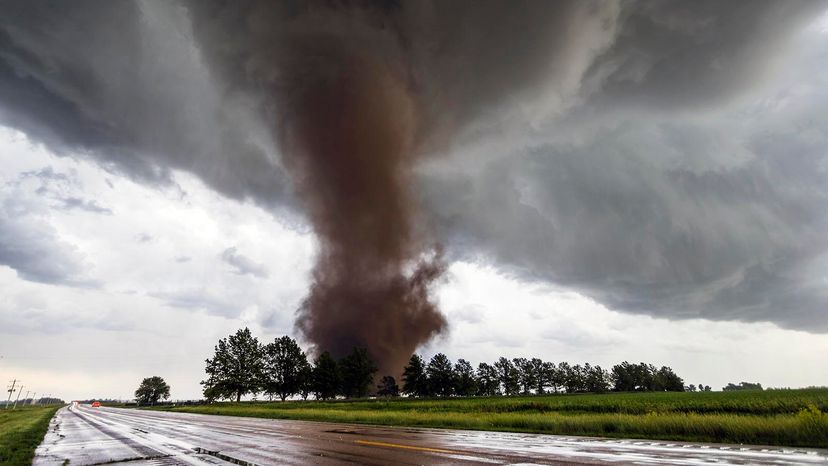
x=708, y=220
x=121, y=82
x=678, y=55
x=242, y=264
x=621, y=193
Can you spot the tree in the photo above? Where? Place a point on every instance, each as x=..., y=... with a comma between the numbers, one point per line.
x=525, y=373
x=624, y=377
x=388, y=387
x=488, y=381
x=551, y=376
x=357, y=370
x=596, y=379
x=415, y=381
x=570, y=377
x=236, y=368
x=646, y=374
x=508, y=376
x=540, y=375
x=628, y=377
x=211, y=393
x=743, y=386
x=283, y=362
x=151, y=390
x=575, y=379
x=326, y=379
x=305, y=378
x=665, y=380
x=464, y=382
x=440, y=375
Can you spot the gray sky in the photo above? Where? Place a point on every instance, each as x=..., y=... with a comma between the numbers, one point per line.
x=650, y=187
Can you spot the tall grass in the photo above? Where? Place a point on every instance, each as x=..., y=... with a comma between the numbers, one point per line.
x=794, y=418
x=21, y=431
x=745, y=402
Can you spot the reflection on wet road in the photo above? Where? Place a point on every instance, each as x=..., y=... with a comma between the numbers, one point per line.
x=85, y=436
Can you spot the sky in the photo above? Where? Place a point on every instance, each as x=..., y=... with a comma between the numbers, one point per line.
x=642, y=181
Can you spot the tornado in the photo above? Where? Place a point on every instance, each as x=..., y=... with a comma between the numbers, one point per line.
x=347, y=132
x=356, y=95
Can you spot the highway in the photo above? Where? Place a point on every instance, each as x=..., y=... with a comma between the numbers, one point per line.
x=82, y=435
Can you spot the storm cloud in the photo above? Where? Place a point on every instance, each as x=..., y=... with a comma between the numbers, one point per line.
x=623, y=149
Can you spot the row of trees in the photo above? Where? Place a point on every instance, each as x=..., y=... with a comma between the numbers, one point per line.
x=742, y=386
x=530, y=376
x=241, y=366
x=700, y=388
x=628, y=377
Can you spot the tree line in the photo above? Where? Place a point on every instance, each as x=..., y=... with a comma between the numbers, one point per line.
x=742, y=386
x=242, y=366
x=523, y=376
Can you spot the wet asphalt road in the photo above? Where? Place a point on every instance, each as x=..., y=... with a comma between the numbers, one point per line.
x=85, y=436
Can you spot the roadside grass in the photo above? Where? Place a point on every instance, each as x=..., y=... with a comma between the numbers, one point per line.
x=737, y=402
x=789, y=417
x=21, y=431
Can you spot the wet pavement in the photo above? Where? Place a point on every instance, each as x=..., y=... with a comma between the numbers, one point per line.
x=85, y=436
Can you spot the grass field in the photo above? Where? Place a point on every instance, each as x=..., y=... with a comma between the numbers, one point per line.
x=789, y=417
x=21, y=431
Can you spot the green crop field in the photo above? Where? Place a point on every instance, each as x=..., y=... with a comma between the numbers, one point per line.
x=779, y=417
x=21, y=431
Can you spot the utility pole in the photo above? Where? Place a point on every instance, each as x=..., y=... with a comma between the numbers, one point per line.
x=11, y=390
x=18, y=396
x=34, y=398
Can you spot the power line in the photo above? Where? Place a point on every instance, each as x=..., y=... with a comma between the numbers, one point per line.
x=18, y=396
x=10, y=390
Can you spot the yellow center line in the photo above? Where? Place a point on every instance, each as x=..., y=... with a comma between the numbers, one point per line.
x=405, y=447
